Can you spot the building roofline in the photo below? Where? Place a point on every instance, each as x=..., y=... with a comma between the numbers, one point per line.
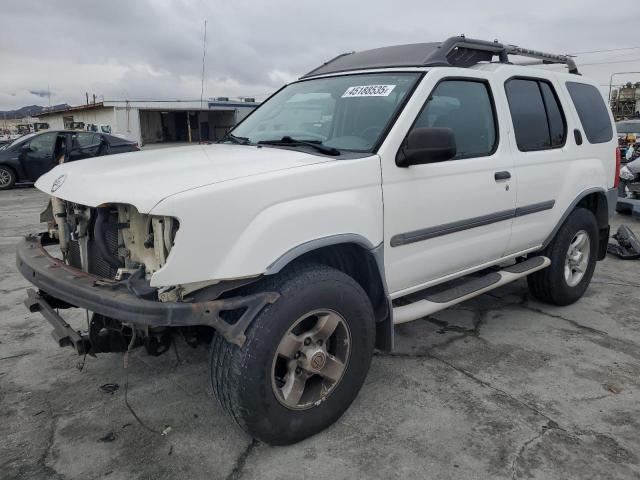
x=70, y=109
x=206, y=105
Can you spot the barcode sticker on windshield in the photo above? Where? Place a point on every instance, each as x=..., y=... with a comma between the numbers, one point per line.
x=368, y=91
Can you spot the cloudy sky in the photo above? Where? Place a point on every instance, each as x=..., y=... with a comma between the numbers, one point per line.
x=152, y=49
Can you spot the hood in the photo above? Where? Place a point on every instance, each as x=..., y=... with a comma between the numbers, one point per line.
x=144, y=178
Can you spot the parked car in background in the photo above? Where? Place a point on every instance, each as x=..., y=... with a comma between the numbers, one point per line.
x=34, y=154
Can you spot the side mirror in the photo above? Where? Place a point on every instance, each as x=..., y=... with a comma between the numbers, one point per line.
x=25, y=148
x=427, y=145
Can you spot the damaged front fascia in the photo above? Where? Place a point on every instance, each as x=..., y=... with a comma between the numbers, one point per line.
x=112, y=299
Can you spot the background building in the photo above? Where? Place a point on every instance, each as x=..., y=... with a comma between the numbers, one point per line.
x=159, y=121
x=625, y=101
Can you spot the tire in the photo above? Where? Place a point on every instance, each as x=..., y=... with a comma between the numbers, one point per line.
x=243, y=379
x=7, y=178
x=551, y=285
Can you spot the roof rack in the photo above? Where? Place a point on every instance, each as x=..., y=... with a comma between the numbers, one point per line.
x=453, y=52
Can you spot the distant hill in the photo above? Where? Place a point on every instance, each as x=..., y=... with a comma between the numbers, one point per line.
x=32, y=110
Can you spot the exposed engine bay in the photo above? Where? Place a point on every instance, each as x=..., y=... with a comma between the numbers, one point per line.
x=112, y=241
x=122, y=246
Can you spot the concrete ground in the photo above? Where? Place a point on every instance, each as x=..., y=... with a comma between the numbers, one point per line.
x=500, y=387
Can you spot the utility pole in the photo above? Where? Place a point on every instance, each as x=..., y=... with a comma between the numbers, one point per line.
x=204, y=54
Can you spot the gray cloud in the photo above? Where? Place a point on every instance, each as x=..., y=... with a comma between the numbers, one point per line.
x=152, y=49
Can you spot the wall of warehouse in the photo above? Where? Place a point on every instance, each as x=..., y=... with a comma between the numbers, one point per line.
x=127, y=123
x=99, y=116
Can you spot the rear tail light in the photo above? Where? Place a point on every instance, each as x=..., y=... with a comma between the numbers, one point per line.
x=616, y=178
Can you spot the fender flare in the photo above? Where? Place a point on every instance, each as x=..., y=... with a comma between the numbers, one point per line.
x=384, y=326
x=315, y=244
x=573, y=205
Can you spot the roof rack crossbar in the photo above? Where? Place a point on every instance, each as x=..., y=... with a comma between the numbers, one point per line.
x=543, y=56
x=481, y=50
x=453, y=52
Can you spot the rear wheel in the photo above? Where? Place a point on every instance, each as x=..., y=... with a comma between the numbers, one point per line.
x=573, y=254
x=7, y=178
x=304, y=360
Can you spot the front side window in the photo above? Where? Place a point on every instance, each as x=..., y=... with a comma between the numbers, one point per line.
x=43, y=144
x=464, y=106
x=349, y=112
x=592, y=111
x=538, y=120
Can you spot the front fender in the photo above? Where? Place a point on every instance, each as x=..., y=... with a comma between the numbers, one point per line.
x=246, y=227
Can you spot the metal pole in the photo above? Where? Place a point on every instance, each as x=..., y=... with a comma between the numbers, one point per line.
x=204, y=54
x=611, y=81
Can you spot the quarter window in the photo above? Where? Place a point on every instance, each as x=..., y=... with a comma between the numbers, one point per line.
x=466, y=107
x=592, y=112
x=538, y=120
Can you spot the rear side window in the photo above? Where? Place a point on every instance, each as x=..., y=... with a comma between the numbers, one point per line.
x=86, y=139
x=466, y=107
x=538, y=120
x=592, y=112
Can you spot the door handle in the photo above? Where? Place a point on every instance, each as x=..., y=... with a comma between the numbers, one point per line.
x=504, y=175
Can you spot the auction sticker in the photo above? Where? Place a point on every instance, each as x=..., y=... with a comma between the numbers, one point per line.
x=368, y=91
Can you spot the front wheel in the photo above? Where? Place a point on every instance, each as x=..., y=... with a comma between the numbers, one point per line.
x=304, y=360
x=573, y=254
x=7, y=178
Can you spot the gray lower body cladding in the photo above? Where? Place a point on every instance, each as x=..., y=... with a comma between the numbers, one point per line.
x=112, y=299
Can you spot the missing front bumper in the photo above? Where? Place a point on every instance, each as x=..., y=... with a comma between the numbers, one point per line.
x=112, y=299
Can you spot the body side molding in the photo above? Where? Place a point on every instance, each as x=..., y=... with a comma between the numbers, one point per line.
x=458, y=226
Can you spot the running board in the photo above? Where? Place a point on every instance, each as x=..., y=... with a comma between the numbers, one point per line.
x=434, y=302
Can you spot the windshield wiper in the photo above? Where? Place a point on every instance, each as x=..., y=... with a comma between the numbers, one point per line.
x=286, y=140
x=235, y=139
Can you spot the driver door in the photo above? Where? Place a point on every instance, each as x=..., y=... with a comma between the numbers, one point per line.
x=37, y=155
x=446, y=218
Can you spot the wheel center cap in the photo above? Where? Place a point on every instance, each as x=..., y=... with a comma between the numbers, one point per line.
x=318, y=361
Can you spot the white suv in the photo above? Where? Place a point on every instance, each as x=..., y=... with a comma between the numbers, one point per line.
x=379, y=188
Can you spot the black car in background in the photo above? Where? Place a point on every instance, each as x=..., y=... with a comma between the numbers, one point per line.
x=32, y=155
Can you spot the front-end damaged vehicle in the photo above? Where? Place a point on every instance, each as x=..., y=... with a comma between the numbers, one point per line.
x=378, y=189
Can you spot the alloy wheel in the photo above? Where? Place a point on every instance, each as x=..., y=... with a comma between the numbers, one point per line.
x=577, y=258
x=311, y=359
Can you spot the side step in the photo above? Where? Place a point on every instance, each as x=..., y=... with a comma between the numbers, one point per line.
x=435, y=299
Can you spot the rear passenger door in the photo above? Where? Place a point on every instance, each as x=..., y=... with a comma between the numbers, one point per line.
x=541, y=157
x=85, y=145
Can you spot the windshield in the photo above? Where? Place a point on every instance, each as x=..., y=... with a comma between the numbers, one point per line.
x=20, y=140
x=628, y=127
x=348, y=112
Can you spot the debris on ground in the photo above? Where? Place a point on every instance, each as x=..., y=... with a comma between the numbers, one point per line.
x=109, y=437
x=628, y=247
x=613, y=388
x=109, y=388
